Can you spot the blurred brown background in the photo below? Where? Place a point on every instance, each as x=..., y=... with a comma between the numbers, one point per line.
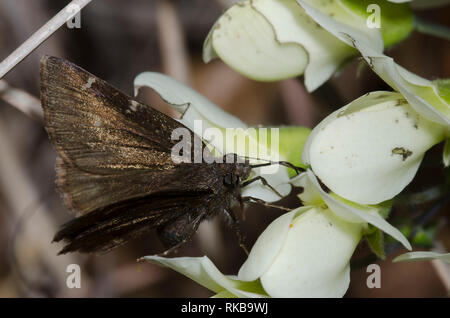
x=116, y=41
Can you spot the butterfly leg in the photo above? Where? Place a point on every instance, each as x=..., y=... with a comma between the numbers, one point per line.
x=177, y=232
x=235, y=225
x=264, y=182
x=256, y=200
x=174, y=248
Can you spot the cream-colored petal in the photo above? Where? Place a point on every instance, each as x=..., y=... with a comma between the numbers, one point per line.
x=355, y=213
x=310, y=194
x=419, y=92
x=369, y=153
x=415, y=89
x=292, y=25
x=204, y=272
x=368, y=37
x=258, y=190
x=267, y=247
x=314, y=259
x=422, y=256
x=186, y=101
x=245, y=40
x=360, y=103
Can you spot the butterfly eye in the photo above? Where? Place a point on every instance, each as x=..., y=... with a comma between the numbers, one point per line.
x=228, y=179
x=231, y=180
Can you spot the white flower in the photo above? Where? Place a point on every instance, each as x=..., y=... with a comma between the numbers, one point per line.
x=370, y=149
x=314, y=195
x=204, y=272
x=426, y=97
x=430, y=99
x=303, y=253
x=269, y=40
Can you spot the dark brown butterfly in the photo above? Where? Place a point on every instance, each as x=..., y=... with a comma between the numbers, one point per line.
x=115, y=169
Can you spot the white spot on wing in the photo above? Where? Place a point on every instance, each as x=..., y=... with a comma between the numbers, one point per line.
x=134, y=105
x=89, y=83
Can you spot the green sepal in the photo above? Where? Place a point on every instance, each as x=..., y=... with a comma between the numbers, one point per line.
x=443, y=88
x=425, y=237
x=376, y=243
x=397, y=20
x=384, y=208
x=373, y=235
x=291, y=143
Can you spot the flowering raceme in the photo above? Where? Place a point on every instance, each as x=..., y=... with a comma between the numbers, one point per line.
x=369, y=150
x=306, y=252
x=430, y=99
x=303, y=253
x=270, y=40
x=365, y=153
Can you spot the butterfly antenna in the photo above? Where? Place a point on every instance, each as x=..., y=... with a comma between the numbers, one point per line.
x=287, y=164
x=241, y=204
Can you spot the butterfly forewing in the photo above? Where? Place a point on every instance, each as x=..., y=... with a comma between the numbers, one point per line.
x=111, y=147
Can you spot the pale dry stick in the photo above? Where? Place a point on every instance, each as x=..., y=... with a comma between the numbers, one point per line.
x=24, y=102
x=298, y=103
x=34, y=245
x=174, y=55
x=441, y=268
x=66, y=14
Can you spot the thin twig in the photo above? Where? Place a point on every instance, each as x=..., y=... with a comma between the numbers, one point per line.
x=30, y=285
x=26, y=103
x=34, y=245
x=441, y=268
x=41, y=35
x=437, y=30
x=420, y=222
x=421, y=197
x=430, y=213
x=174, y=55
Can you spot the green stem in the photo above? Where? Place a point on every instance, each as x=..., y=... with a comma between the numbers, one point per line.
x=427, y=27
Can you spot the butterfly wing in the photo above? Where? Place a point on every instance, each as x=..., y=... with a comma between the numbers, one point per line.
x=111, y=147
x=104, y=229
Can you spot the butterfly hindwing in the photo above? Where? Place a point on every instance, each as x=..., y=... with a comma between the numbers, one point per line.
x=106, y=228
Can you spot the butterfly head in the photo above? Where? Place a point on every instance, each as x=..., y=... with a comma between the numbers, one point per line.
x=237, y=170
